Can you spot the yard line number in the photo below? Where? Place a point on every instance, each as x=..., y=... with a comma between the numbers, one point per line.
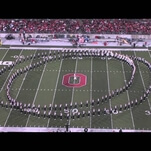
x=6, y=63
x=147, y=112
x=73, y=111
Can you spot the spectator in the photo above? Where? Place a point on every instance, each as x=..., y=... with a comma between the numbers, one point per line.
x=76, y=26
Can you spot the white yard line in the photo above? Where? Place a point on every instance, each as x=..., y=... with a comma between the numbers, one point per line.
x=142, y=80
x=24, y=78
x=149, y=101
x=108, y=82
x=39, y=84
x=55, y=89
x=127, y=92
x=15, y=98
x=37, y=91
x=17, y=94
x=5, y=55
x=9, y=74
x=91, y=91
x=73, y=90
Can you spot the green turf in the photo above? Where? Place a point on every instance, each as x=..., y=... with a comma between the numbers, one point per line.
x=43, y=85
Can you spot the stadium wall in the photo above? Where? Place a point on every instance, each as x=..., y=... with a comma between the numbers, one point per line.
x=101, y=36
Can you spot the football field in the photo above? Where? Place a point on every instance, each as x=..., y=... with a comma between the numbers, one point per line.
x=68, y=91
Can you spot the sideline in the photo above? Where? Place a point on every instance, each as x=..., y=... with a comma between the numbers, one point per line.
x=88, y=48
x=43, y=129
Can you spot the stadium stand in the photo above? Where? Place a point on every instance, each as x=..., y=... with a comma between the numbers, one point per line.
x=75, y=26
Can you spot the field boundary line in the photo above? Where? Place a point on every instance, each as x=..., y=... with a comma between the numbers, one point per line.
x=50, y=130
x=88, y=48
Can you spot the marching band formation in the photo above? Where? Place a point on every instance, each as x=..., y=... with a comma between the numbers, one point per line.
x=50, y=110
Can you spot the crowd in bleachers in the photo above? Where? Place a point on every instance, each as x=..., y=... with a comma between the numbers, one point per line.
x=85, y=26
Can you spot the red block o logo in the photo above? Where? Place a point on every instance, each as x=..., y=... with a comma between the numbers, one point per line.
x=82, y=80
